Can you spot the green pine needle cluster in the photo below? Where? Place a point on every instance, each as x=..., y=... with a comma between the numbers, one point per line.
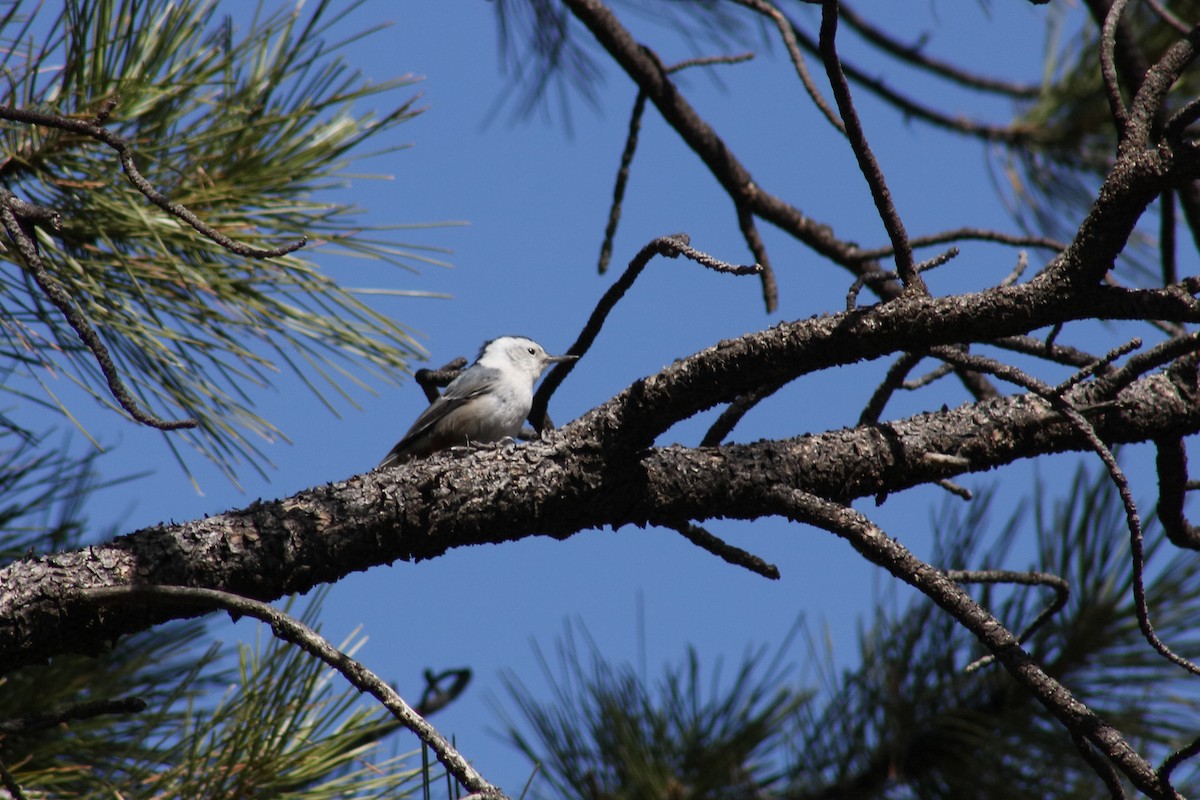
x=607, y=734
x=280, y=729
x=252, y=124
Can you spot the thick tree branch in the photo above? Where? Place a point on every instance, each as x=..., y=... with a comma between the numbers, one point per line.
x=554, y=487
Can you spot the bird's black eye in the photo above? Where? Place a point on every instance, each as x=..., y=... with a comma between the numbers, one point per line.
x=532, y=351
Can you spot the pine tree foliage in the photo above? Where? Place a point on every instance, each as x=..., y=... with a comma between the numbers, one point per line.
x=249, y=122
x=922, y=716
x=606, y=733
x=278, y=724
x=281, y=729
x=918, y=716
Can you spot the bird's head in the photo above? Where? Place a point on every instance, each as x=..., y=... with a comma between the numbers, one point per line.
x=518, y=354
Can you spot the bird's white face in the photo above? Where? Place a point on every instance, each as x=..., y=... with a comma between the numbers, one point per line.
x=515, y=353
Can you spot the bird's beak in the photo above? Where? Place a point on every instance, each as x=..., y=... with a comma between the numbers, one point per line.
x=560, y=359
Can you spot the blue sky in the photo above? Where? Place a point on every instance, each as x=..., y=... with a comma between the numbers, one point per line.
x=534, y=201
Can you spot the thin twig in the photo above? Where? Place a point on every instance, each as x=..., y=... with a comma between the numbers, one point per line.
x=1166, y=237
x=1171, y=466
x=430, y=380
x=1182, y=118
x=1133, y=519
x=614, y=210
x=709, y=61
x=912, y=54
x=1058, y=353
x=1017, y=271
x=879, y=548
x=759, y=250
x=1020, y=134
x=1100, y=364
x=1101, y=766
x=788, y=34
x=631, y=143
x=1062, y=594
x=86, y=710
x=733, y=413
x=1167, y=16
x=967, y=234
x=955, y=489
x=669, y=246
x=935, y=374
x=892, y=380
x=292, y=630
x=1108, y=69
x=1191, y=750
x=883, y=276
x=723, y=550
x=867, y=164
x=21, y=235
x=1162, y=353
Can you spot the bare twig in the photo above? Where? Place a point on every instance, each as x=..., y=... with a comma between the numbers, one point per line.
x=788, y=34
x=862, y=151
x=912, y=54
x=1133, y=519
x=614, y=210
x=723, y=550
x=1058, y=353
x=892, y=380
x=1166, y=237
x=292, y=630
x=759, y=250
x=1096, y=366
x=1013, y=135
x=1167, y=16
x=12, y=212
x=1171, y=466
x=955, y=489
x=967, y=234
x=886, y=551
x=1102, y=767
x=709, y=61
x=86, y=710
x=935, y=374
x=436, y=696
x=1140, y=364
x=631, y=143
x=880, y=277
x=669, y=246
x=1182, y=118
x=1112, y=85
x=733, y=413
x=430, y=380
x=1062, y=594
x=1191, y=750
x=1017, y=271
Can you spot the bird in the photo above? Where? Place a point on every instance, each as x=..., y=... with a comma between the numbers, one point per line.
x=487, y=402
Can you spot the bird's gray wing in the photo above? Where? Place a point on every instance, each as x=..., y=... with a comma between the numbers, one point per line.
x=420, y=439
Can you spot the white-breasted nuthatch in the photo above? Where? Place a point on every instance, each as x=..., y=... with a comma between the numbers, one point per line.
x=487, y=402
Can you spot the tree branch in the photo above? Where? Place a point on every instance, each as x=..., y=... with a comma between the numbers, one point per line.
x=556, y=487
